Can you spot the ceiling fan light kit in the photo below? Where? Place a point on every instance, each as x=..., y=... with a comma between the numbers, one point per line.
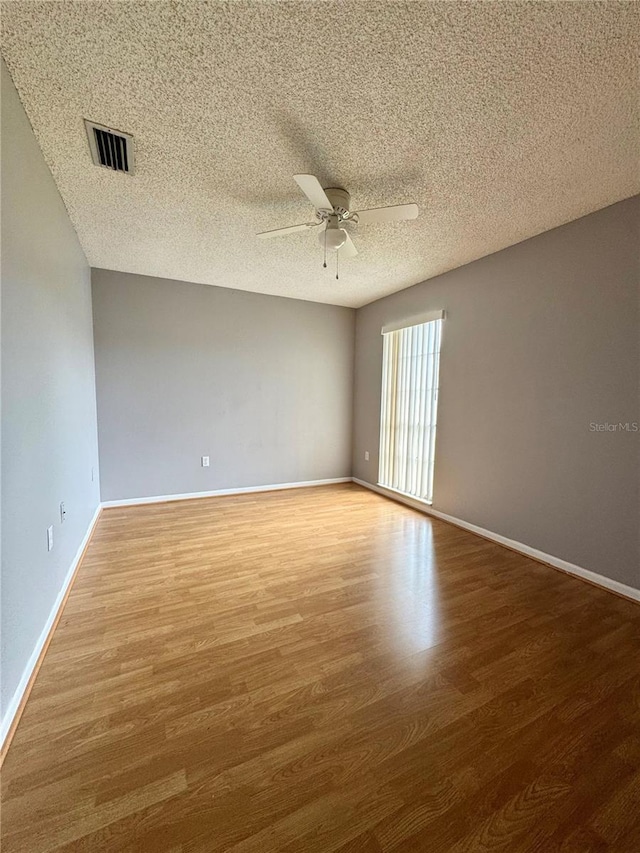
x=332, y=237
x=333, y=209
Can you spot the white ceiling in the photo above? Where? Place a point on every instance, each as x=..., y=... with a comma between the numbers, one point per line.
x=501, y=120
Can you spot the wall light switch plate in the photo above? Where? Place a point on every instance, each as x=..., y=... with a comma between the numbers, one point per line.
x=50, y=538
x=366, y=456
x=205, y=461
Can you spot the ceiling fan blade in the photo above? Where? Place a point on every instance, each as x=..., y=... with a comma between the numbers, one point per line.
x=386, y=214
x=348, y=250
x=290, y=229
x=312, y=188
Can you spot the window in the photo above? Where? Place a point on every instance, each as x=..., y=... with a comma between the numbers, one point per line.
x=411, y=361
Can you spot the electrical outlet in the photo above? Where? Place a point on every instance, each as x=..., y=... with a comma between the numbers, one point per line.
x=205, y=461
x=366, y=456
x=50, y=538
x=63, y=512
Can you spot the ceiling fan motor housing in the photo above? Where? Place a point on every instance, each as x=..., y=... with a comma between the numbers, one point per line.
x=340, y=199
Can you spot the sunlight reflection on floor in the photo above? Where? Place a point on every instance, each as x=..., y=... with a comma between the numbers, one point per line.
x=411, y=584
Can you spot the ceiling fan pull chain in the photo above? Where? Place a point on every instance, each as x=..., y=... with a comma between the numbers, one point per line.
x=325, y=249
x=337, y=264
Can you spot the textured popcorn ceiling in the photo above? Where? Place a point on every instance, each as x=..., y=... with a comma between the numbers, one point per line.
x=501, y=120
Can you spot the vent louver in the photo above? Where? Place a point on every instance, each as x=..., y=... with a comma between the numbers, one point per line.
x=110, y=148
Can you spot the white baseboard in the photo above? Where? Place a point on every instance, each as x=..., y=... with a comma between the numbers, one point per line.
x=188, y=496
x=14, y=704
x=540, y=556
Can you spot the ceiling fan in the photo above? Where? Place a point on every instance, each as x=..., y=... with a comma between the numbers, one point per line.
x=333, y=212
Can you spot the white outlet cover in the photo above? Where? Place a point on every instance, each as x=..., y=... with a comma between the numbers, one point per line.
x=366, y=456
x=205, y=461
x=50, y=538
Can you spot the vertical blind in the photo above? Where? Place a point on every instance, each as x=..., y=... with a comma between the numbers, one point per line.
x=411, y=361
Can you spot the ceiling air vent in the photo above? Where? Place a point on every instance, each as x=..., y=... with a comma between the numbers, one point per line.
x=110, y=148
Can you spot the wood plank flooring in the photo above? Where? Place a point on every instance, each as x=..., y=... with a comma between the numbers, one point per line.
x=325, y=670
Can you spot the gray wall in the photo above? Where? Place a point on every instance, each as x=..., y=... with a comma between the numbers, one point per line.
x=261, y=384
x=541, y=340
x=49, y=440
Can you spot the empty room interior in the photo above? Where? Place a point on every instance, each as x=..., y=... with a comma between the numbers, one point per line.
x=320, y=426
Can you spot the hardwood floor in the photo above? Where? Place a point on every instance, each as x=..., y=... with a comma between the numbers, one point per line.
x=325, y=670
